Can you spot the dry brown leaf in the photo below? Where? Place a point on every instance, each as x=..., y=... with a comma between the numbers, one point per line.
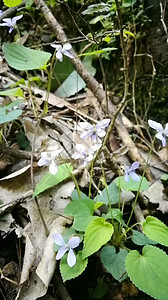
x=52, y=99
x=157, y=197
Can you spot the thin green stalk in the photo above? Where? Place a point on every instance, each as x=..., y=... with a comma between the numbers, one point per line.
x=112, y=220
x=31, y=95
x=75, y=182
x=45, y=109
x=91, y=176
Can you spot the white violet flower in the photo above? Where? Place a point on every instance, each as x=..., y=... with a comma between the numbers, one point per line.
x=62, y=50
x=1, y=12
x=48, y=159
x=10, y=22
x=162, y=133
x=83, y=153
x=73, y=242
x=95, y=132
x=130, y=171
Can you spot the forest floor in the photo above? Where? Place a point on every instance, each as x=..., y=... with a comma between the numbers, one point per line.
x=31, y=208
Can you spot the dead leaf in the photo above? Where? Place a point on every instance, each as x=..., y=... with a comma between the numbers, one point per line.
x=52, y=99
x=157, y=198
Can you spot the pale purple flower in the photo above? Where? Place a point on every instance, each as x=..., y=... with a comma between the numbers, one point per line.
x=95, y=132
x=1, y=12
x=62, y=50
x=162, y=133
x=130, y=171
x=73, y=242
x=48, y=159
x=10, y=22
x=86, y=155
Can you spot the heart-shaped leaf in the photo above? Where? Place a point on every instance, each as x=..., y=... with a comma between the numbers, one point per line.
x=114, y=262
x=98, y=233
x=149, y=271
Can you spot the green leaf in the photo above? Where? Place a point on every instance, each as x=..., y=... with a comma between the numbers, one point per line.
x=6, y=117
x=156, y=230
x=81, y=222
x=78, y=207
x=23, y=58
x=131, y=185
x=126, y=32
x=82, y=210
x=74, y=83
x=97, y=205
x=140, y=239
x=97, y=8
x=16, y=92
x=149, y=271
x=75, y=195
x=113, y=192
x=67, y=272
x=127, y=3
x=116, y=214
x=14, y=104
x=98, y=18
x=61, y=71
x=11, y=3
x=164, y=177
x=114, y=262
x=99, y=291
x=98, y=233
x=50, y=180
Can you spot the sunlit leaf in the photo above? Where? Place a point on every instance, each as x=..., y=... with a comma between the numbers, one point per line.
x=16, y=92
x=156, y=230
x=11, y=3
x=50, y=180
x=23, y=58
x=149, y=271
x=132, y=185
x=98, y=233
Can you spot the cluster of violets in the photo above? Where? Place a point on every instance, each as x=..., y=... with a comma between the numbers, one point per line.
x=93, y=132
x=84, y=154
